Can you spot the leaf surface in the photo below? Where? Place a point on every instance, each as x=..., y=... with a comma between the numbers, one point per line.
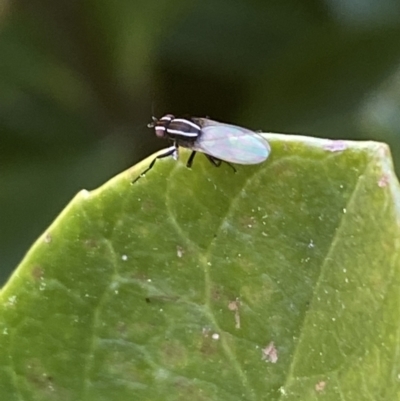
x=279, y=282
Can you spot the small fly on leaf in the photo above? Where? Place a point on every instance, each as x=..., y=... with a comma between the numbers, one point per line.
x=218, y=141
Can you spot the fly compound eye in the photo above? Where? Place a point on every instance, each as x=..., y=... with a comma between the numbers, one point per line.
x=160, y=131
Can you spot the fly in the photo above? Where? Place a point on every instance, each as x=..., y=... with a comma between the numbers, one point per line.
x=218, y=141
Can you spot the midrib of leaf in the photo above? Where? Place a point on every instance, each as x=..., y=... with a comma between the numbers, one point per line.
x=204, y=262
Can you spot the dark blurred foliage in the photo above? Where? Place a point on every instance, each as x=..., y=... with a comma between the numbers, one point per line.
x=79, y=79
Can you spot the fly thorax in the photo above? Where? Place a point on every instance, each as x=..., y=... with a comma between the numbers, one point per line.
x=183, y=130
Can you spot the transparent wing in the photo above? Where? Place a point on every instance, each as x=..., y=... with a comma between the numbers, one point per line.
x=231, y=143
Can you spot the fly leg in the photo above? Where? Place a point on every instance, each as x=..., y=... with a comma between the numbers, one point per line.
x=190, y=160
x=171, y=151
x=217, y=162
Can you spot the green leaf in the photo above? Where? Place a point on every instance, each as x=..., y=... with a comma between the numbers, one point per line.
x=278, y=282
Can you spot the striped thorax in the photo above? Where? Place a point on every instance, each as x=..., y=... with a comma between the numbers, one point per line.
x=176, y=129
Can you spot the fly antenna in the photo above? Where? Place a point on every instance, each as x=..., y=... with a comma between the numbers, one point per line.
x=153, y=123
x=154, y=119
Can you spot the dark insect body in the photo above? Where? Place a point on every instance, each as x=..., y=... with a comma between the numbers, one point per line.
x=218, y=141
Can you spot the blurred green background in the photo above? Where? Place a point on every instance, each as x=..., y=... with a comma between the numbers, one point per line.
x=79, y=81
